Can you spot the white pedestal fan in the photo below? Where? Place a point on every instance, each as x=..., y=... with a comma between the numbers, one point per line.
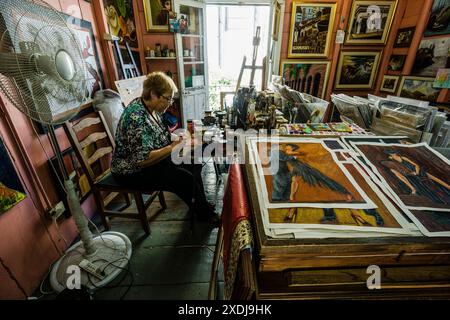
x=43, y=74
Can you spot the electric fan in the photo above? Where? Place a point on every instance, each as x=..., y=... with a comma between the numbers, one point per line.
x=43, y=74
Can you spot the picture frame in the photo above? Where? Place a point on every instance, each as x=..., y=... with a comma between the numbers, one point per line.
x=396, y=62
x=438, y=24
x=311, y=40
x=276, y=20
x=357, y=69
x=419, y=88
x=370, y=21
x=389, y=84
x=121, y=21
x=157, y=15
x=432, y=55
x=404, y=37
x=309, y=76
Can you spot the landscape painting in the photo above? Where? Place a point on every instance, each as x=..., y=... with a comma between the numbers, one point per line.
x=432, y=55
x=439, y=21
x=311, y=29
x=357, y=70
x=305, y=174
x=418, y=88
x=416, y=174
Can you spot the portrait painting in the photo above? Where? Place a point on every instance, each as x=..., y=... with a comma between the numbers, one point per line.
x=157, y=15
x=431, y=55
x=396, y=62
x=439, y=20
x=370, y=21
x=357, y=70
x=308, y=76
x=419, y=88
x=11, y=188
x=311, y=29
x=121, y=21
x=416, y=174
x=404, y=37
x=305, y=173
x=389, y=84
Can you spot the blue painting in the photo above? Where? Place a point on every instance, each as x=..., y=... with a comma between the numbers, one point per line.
x=439, y=21
x=11, y=189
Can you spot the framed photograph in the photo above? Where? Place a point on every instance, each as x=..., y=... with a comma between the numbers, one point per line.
x=370, y=21
x=157, y=15
x=419, y=88
x=276, y=20
x=121, y=21
x=389, y=84
x=433, y=54
x=404, y=37
x=311, y=29
x=309, y=76
x=357, y=69
x=439, y=21
x=396, y=62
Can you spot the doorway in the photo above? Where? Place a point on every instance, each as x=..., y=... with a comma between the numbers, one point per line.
x=230, y=32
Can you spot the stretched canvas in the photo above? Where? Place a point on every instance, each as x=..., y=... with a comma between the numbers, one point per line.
x=439, y=20
x=305, y=173
x=431, y=56
x=416, y=175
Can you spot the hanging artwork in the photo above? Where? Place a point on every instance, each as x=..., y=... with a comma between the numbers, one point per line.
x=389, y=84
x=439, y=21
x=357, y=69
x=370, y=21
x=396, y=62
x=418, y=88
x=432, y=55
x=121, y=20
x=306, y=76
x=311, y=29
x=304, y=173
x=11, y=189
x=404, y=37
x=442, y=79
x=157, y=15
x=276, y=20
x=416, y=175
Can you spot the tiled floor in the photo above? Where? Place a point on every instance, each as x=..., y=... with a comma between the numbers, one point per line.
x=173, y=262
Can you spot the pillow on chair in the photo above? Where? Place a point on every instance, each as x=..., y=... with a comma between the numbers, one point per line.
x=110, y=104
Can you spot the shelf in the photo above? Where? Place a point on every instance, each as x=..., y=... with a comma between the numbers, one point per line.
x=191, y=35
x=194, y=62
x=160, y=58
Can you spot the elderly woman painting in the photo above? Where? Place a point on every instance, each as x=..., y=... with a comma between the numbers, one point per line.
x=142, y=157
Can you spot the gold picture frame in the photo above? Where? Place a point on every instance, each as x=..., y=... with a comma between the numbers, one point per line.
x=389, y=83
x=370, y=21
x=311, y=40
x=276, y=20
x=425, y=92
x=156, y=14
x=357, y=69
x=308, y=76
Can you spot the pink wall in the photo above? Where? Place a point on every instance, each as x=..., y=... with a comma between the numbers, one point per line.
x=30, y=243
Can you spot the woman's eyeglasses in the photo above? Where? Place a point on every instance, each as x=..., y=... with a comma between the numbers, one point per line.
x=169, y=100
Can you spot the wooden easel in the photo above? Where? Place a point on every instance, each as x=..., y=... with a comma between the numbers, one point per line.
x=253, y=67
x=129, y=70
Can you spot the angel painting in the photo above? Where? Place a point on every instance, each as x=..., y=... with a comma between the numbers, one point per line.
x=415, y=180
x=292, y=172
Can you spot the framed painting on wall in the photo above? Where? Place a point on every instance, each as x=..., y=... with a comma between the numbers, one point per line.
x=309, y=76
x=370, y=21
x=311, y=29
x=389, y=84
x=11, y=189
x=121, y=20
x=157, y=15
x=357, y=69
x=439, y=21
x=276, y=20
x=404, y=37
x=432, y=55
x=419, y=88
x=396, y=62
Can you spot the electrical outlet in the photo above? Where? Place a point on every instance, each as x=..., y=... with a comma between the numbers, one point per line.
x=56, y=211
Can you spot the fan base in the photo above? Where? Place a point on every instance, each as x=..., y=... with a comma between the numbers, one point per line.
x=111, y=255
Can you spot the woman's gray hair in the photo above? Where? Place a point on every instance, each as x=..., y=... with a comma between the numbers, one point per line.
x=159, y=84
